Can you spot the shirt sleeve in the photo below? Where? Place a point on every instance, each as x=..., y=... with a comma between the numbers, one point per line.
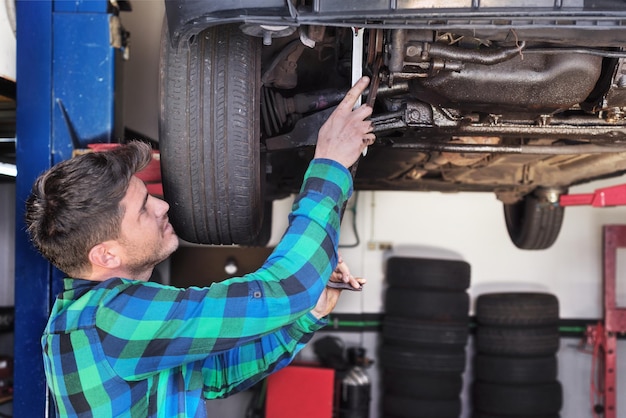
x=146, y=327
x=239, y=368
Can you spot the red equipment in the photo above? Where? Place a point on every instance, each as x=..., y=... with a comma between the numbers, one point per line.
x=603, y=336
x=607, y=196
x=298, y=391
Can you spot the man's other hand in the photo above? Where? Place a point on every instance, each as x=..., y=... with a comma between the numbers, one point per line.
x=329, y=297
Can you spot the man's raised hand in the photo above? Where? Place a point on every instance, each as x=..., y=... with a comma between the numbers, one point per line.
x=346, y=132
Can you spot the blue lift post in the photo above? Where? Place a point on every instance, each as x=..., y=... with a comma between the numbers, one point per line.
x=69, y=55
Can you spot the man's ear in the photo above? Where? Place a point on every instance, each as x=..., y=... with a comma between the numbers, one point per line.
x=105, y=255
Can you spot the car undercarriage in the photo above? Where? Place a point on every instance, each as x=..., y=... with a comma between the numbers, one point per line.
x=522, y=102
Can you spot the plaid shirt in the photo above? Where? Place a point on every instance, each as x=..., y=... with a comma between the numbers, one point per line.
x=139, y=349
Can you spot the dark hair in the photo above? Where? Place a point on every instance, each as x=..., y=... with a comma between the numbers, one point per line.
x=75, y=205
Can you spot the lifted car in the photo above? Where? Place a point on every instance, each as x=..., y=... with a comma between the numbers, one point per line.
x=520, y=99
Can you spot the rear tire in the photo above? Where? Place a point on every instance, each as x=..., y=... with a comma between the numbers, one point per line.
x=533, y=223
x=210, y=136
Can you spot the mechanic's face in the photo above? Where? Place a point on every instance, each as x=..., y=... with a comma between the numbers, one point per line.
x=146, y=233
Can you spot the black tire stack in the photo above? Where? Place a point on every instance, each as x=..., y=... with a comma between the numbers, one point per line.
x=515, y=365
x=424, y=336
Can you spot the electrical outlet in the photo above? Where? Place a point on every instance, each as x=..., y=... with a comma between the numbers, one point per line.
x=379, y=245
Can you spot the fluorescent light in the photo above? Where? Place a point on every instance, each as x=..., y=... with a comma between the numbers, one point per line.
x=8, y=170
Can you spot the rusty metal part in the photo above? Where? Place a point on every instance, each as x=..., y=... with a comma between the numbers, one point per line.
x=598, y=131
x=304, y=134
x=275, y=108
x=467, y=159
x=375, y=61
x=316, y=32
x=537, y=84
x=485, y=56
x=429, y=118
x=375, y=82
x=282, y=71
x=461, y=159
x=512, y=149
x=374, y=47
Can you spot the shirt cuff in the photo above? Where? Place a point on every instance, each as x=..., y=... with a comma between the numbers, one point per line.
x=329, y=178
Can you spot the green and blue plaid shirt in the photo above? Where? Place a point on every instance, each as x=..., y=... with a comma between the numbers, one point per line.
x=138, y=349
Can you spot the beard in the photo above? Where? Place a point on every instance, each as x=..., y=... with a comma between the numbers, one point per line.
x=143, y=260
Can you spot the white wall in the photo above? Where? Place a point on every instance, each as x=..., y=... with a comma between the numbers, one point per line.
x=465, y=225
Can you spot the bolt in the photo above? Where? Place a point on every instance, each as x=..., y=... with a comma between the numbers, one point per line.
x=614, y=114
x=414, y=115
x=494, y=119
x=544, y=120
x=413, y=50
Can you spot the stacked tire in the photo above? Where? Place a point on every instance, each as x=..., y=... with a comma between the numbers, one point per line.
x=515, y=365
x=424, y=336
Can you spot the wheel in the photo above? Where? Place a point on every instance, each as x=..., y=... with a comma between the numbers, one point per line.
x=518, y=400
x=427, y=305
x=478, y=414
x=515, y=370
x=407, y=407
x=517, y=309
x=523, y=341
x=421, y=385
x=265, y=232
x=424, y=333
x=424, y=273
x=422, y=360
x=210, y=136
x=534, y=222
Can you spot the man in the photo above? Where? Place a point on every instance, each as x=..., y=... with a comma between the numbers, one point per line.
x=118, y=345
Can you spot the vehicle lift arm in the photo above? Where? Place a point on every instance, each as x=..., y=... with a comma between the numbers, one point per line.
x=606, y=196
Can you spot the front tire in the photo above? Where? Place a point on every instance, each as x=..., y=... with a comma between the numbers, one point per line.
x=210, y=136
